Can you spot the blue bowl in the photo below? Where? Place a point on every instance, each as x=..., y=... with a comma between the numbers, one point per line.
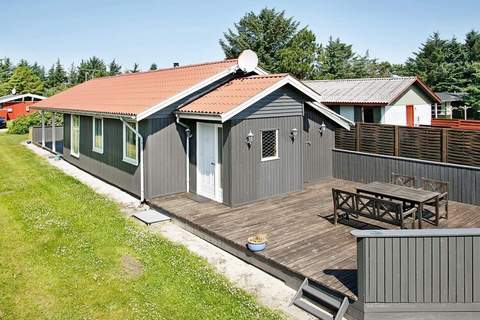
x=255, y=247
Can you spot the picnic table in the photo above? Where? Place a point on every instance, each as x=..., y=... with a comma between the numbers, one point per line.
x=417, y=197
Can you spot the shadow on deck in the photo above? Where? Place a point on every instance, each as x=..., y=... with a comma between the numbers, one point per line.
x=302, y=240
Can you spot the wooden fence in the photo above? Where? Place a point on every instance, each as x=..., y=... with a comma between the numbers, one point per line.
x=456, y=123
x=420, y=274
x=424, y=143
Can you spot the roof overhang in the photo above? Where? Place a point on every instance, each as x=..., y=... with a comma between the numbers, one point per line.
x=86, y=113
x=316, y=104
x=21, y=96
x=192, y=90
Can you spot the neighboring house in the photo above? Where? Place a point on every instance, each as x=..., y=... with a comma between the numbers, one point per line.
x=16, y=105
x=449, y=102
x=230, y=133
x=404, y=101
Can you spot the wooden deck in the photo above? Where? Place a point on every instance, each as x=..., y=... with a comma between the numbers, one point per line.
x=302, y=240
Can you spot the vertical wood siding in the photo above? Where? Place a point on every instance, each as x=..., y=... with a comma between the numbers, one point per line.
x=109, y=165
x=317, y=148
x=165, y=156
x=464, y=182
x=253, y=179
x=429, y=269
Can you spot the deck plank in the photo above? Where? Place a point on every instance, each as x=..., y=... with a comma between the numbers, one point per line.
x=299, y=229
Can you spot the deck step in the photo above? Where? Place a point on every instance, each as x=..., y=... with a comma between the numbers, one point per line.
x=318, y=302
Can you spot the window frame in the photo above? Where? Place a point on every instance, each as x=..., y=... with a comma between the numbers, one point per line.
x=72, y=153
x=124, y=143
x=276, y=156
x=94, y=148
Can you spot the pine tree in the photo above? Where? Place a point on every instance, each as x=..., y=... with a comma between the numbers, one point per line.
x=72, y=75
x=56, y=75
x=135, y=68
x=335, y=60
x=114, y=68
x=153, y=66
x=92, y=68
x=266, y=33
x=6, y=69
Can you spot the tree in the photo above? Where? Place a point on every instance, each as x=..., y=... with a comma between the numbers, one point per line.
x=72, y=75
x=135, y=68
x=6, y=69
x=114, y=68
x=153, y=66
x=24, y=80
x=335, y=60
x=472, y=44
x=92, y=68
x=299, y=56
x=473, y=90
x=267, y=33
x=56, y=75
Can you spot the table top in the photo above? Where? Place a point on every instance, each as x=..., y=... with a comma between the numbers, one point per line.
x=398, y=192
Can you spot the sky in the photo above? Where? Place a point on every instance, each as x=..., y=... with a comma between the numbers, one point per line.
x=188, y=31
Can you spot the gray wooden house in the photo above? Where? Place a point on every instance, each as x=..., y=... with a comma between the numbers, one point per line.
x=225, y=130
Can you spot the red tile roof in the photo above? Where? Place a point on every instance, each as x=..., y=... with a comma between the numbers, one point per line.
x=131, y=94
x=232, y=94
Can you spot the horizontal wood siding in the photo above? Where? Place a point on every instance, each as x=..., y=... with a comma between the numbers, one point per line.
x=317, y=147
x=165, y=157
x=253, y=179
x=431, y=271
x=109, y=165
x=283, y=102
x=464, y=182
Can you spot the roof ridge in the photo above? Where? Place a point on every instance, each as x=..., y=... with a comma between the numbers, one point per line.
x=166, y=69
x=363, y=79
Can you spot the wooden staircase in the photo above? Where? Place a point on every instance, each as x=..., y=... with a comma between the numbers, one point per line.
x=318, y=302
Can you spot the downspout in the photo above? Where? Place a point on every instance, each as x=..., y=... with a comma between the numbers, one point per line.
x=142, y=177
x=188, y=134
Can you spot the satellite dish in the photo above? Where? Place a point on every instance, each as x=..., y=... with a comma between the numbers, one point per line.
x=247, y=61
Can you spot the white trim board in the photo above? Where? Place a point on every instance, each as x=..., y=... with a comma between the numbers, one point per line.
x=299, y=86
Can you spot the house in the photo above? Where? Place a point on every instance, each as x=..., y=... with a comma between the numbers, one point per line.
x=404, y=101
x=16, y=105
x=450, y=101
x=223, y=130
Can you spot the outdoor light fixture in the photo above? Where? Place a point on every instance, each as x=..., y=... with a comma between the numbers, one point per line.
x=293, y=134
x=323, y=128
x=250, y=138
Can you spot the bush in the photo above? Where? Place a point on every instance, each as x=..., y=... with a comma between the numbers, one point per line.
x=23, y=123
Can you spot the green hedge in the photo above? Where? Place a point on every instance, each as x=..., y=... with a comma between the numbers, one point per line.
x=23, y=123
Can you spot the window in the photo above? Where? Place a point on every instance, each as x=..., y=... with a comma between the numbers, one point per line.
x=75, y=135
x=98, y=134
x=269, y=145
x=130, y=143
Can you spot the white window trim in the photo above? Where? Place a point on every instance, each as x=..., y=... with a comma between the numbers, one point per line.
x=95, y=149
x=124, y=142
x=275, y=157
x=73, y=154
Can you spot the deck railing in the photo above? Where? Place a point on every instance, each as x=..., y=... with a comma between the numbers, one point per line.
x=410, y=272
x=424, y=143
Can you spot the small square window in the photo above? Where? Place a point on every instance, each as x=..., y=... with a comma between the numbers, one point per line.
x=269, y=144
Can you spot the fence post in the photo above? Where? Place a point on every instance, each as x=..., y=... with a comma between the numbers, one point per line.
x=397, y=141
x=444, y=144
x=357, y=137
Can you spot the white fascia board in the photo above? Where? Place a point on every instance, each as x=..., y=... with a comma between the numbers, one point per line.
x=260, y=71
x=185, y=93
x=199, y=116
x=20, y=96
x=299, y=86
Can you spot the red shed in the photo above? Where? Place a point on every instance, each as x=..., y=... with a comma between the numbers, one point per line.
x=16, y=105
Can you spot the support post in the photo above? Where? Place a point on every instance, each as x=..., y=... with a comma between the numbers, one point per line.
x=43, y=128
x=444, y=145
x=54, y=149
x=357, y=137
x=397, y=141
x=436, y=110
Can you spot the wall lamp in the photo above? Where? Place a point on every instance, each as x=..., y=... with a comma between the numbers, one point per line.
x=250, y=138
x=323, y=128
x=293, y=134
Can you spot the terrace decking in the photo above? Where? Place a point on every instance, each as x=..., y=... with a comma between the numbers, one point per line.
x=302, y=241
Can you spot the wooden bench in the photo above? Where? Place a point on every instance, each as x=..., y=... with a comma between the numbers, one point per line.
x=355, y=204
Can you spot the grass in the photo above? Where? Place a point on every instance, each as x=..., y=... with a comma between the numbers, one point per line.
x=62, y=247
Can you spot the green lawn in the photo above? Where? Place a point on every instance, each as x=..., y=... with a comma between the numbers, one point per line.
x=68, y=253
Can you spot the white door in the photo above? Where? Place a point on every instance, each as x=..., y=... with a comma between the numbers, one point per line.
x=208, y=166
